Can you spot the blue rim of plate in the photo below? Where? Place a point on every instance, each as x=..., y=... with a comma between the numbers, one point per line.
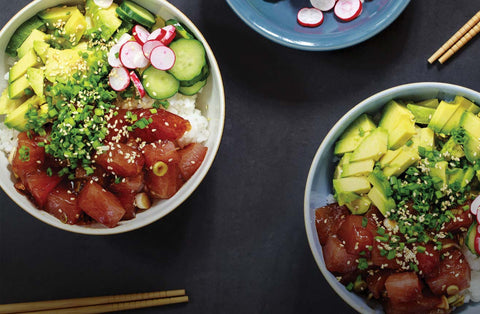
x=312, y=42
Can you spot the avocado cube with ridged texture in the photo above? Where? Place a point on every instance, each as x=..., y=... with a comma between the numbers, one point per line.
x=339, y=168
x=36, y=78
x=75, y=27
x=7, y=105
x=359, y=206
x=56, y=16
x=424, y=137
x=422, y=114
x=380, y=200
x=17, y=88
x=354, y=134
x=399, y=122
x=441, y=116
x=358, y=168
x=463, y=105
x=29, y=60
x=27, y=45
x=373, y=146
x=351, y=184
x=346, y=197
x=406, y=158
x=470, y=123
x=471, y=148
x=388, y=157
x=41, y=48
x=438, y=172
x=401, y=134
x=16, y=119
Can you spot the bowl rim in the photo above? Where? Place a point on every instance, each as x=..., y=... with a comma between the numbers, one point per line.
x=330, y=138
x=189, y=187
x=260, y=24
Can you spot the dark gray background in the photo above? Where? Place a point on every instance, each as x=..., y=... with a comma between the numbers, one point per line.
x=238, y=244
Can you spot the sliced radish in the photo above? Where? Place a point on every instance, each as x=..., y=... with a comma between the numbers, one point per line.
x=477, y=243
x=119, y=79
x=157, y=34
x=113, y=54
x=131, y=55
x=149, y=46
x=347, y=10
x=104, y=4
x=310, y=17
x=124, y=38
x=324, y=5
x=475, y=205
x=140, y=34
x=137, y=83
x=170, y=34
x=162, y=58
x=478, y=219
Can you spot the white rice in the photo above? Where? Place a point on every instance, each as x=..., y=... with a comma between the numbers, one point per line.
x=8, y=139
x=473, y=292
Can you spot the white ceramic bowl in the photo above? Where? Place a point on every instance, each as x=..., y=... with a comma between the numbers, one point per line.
x=319, y=182
x=211, y=101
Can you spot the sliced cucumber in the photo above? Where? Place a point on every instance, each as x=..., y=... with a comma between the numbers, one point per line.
x=159, y=84
x=470, y=238
x=201, y=77
x=22, y=33
x=124, y=16
x=181, y=29
x=138, y=13
x=190, y=59
x=192, y=90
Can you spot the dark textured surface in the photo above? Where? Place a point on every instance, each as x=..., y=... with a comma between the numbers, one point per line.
x=238, y=244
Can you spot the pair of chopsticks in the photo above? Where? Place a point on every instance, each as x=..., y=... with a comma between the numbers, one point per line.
x=458, y=40
x=102, y=304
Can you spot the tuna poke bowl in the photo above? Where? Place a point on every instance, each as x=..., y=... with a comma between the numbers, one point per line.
x=111, y=112
x=392, y=198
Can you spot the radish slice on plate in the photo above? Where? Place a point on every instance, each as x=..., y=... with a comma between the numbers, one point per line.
x=119, y=79
x=104, y=4
x=162, y=58
x=131, y=55
x=310, y=17
x=324, y=5
x=149, y=46
x=347, y=10
x=137, y=83
x=140, y=34
x=170, y=33
x=475, y=205
x=157, y=34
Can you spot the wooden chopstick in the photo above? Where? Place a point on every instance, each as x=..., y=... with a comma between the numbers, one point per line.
x=98, y=304
x=458, y=40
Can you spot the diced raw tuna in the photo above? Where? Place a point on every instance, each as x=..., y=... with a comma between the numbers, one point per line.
x=40, y=184
x=121, y=159
x=164, y=125
x=62, y=203
x=191, y=157
x=337, y=259
x=403, y=287
x=328, y=220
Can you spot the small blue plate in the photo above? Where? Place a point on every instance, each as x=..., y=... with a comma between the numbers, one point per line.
x=277, y=21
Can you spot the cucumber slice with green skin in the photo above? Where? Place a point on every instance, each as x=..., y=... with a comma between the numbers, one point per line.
x=470, y=238
x=192, y=90
x=201, y=77
x=124, y=16
x=190, y=59
x=22, y=33
x=159, y=84
x=181, y=30
x=138, y=13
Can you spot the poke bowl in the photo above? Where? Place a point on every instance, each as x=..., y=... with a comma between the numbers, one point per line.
x=102, y=104
x=277, y=20
x=387, y=272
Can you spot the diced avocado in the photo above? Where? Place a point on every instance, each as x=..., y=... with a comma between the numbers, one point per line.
x=463, y=105
x=36, y=78
x=54, y=17
x=104, y=20
x=28, y=43
x=405, y=159
x=401, y=134
x=441, y=116
x=22, y=33
x=378, y=180
x=344, y=198
x=359, y=206
x=354, y=134
x=399, y=122
x=424, y=137
x=373, y=146
x=29, y=60
x=452, y=148
x=470, y=238
x=380, y=200
x=62, y=64
x=438, y=172
x=17, y=88
x=469, y=173
x=358, y=168
x=16, y=119
x=466, y=104
x=388, y=157
x=471, y=147
x=392, y=113
x=7, y=105
x=41, y=48
x=339, y=168
x=159, y=23
x=455, y=176
x=351, y=184
x=430, y=103
x=75, y=27
x=422, y=114
x=471, y=123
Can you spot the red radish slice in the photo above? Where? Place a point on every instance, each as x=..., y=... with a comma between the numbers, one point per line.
x=347, y=10
x=131, y=55
x=324, y=5
x=162, y=58
x=157, y=34
x=475, y=205
x=119, y=79
x=478, y=219
x=137, y=83
x=124, y=38
x=310, y=17
x=113, y=54
x=104, y=4
x=477, y=243
x=140, y=34
x=149, y=46
x=170, y=34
